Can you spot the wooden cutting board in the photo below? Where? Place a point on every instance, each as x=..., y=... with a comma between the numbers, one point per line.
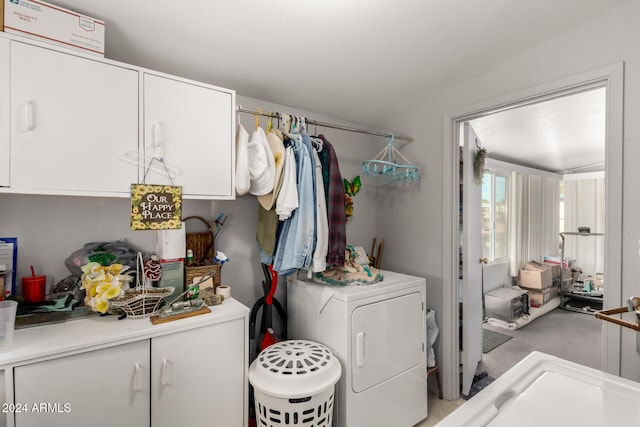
x=156, y=320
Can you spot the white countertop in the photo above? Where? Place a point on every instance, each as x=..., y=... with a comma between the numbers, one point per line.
x=91, y=333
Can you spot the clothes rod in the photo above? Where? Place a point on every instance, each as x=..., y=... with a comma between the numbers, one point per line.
x=242, y=109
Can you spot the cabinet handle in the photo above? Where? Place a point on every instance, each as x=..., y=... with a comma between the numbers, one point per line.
x=164, y=375
x=136, y=378
x=360, y=349
x=28, y=116
x=156, y=132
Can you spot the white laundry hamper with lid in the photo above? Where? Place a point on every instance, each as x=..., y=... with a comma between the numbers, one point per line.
x=294, y=384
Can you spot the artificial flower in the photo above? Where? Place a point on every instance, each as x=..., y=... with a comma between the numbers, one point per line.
x=102, y=284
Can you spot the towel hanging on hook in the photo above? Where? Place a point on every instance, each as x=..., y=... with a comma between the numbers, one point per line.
x=387, y=163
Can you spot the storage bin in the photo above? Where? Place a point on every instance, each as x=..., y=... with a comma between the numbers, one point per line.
x=294, y=384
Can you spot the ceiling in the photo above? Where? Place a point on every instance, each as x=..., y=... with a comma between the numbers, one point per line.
x=565, y=135
x=362, y=61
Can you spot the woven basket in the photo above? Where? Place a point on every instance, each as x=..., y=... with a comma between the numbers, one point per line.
x=193, y=272
x=203, y=253
x=200, y=243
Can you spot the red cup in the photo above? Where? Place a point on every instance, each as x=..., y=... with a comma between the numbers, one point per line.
x=33, y=288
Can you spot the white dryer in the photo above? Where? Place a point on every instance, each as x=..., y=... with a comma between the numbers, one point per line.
x=378, y=333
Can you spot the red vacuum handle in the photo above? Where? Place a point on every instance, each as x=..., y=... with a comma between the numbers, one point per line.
x=274, y=285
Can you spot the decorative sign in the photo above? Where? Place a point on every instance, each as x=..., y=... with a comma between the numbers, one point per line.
x=156, y=207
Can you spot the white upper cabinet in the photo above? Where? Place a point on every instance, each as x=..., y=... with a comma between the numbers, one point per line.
x=72, y=124
x=72, y=119
x=190, y=126
x=4, y=114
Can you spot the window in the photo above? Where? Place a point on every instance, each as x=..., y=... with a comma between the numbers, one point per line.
x=495, y=232
x=561, y=206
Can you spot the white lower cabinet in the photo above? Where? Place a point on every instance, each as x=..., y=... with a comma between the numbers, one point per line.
x=108, y=387
x=195, y=377
x=191, y=376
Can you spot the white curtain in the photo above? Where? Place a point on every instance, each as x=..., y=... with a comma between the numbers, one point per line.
x=535, y=224
x=584, y=207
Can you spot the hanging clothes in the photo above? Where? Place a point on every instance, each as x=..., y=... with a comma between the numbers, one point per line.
x=322, y=226
x=276, y=151
x=267, y=216
x=334, y=192
x=243, y=177
x=296, y=240
x=266, y=233
x=261, y=164
x=287, y=200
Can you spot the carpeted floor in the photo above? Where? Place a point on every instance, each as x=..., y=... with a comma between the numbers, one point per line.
x=492, y=339
x=569, y=335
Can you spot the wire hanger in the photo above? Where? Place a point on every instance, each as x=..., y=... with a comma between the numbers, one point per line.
x=317, y=143
x=155, y=164
x=386, y=163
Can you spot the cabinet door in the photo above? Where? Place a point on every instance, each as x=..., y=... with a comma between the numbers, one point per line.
x=73, y=118
x=5, y=147
x=190, y=127
x=198, y=377
x=108, y=387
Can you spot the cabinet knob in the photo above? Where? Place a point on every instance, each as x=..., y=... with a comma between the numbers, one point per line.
x=483, y=261
x=164, y=375
x=156, y=132
x=136, y=378
x=28, y=116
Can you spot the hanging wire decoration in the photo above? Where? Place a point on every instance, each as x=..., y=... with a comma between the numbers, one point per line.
x=391, y=164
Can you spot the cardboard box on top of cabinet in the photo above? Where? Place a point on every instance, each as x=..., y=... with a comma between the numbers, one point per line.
x=535, y=275
x=51, y=23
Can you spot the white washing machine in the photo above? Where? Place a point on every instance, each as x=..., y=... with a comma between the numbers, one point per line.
x=378, y=333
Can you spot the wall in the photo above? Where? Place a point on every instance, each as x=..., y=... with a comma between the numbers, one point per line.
x=50, y=228
x=584, y=207
x=495, y=275
x=414, y=219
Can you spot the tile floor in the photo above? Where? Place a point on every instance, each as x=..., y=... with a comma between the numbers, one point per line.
x=438, y=409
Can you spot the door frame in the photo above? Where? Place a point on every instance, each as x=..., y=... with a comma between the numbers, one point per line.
x=612, y=78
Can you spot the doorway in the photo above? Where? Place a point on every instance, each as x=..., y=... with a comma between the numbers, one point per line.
x=611, y=79
x=545, y=162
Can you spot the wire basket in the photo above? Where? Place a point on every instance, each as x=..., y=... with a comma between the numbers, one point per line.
x=141, y=302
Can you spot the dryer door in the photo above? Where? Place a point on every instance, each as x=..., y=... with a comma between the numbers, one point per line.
x=386, y=339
